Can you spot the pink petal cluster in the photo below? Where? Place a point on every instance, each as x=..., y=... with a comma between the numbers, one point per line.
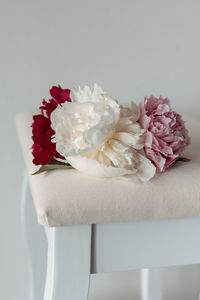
x=43, y=149
x=165, y=134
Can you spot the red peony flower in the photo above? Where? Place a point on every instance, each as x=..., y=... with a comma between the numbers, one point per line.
x=44, y=150
x=59, y=96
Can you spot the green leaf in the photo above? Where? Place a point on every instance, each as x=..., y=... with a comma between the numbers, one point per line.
x=184, y=159
x=53, y=165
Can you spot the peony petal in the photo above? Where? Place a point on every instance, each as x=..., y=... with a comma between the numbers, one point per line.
x=162, y=109
x=118, y=146
x=157, y=158
x=146, y=170
x=94, y=168
x=170, y=161
x=132, y=111
x=142, y=107
x=145, y=121
x=148, y=139
x=60, y=95
x=113, y=156
x=86, y=94
x=82, y=127
x=133, y=140
x=127, y=125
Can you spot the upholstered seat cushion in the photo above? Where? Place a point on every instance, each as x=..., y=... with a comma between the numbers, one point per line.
x=66, y=197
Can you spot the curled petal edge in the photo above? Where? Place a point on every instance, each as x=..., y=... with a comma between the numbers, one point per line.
x=144, y=172
x=94, y=168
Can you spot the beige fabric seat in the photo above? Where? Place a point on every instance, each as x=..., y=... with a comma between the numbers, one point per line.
x=68, y=197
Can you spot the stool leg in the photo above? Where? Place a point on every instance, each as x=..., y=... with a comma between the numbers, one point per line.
x=68, y=264
x=35, y=243
x=151, y=284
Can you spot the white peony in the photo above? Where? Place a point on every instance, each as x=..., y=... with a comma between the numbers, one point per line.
x=99, y=137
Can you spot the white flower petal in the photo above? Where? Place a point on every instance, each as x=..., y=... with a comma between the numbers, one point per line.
x=86, y=94
x=72, y=123
x=146, y=170
x=117, y=146
x=132, y=111
x=133, y=140
x=126, y=124
x=93, y=167
x=82, y=127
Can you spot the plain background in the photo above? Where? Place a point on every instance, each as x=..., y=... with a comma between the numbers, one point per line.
x=132, y=49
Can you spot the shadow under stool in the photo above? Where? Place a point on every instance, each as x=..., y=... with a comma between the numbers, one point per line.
x=97, y=225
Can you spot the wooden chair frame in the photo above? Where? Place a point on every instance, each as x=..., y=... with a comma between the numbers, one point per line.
x=75, y=252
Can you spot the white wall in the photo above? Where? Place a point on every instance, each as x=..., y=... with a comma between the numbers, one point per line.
x=130, y=47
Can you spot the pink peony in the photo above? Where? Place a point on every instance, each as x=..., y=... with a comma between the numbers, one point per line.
x=44, y=150
x=166, y=136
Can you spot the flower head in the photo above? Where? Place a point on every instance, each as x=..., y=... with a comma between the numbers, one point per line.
x=166, y=136
x=99, y=137
x=43, y=148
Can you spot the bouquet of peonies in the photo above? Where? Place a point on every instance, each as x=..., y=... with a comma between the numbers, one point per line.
x=88, y=130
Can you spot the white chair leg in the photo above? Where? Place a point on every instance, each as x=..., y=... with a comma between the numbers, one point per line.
x=68, y=265
x=36, y=244
x=151, y=284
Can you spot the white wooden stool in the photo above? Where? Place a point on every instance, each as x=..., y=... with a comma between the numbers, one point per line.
x=146, y=235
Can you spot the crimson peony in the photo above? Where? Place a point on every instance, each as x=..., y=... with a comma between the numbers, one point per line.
x=44, y=150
